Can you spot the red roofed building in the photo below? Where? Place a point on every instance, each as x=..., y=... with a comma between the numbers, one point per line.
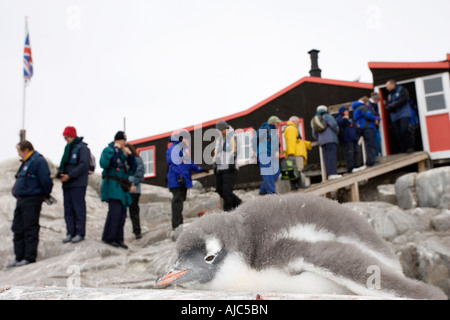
x=300, y=98
x=429, y=86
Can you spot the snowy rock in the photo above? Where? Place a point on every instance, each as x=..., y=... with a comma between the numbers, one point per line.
x=390, y=221
x=426, y=256
x=441, y=222
x=433, y=188
x=423, y=252
x=197, y=185
x=386, y=193
x=405, y=191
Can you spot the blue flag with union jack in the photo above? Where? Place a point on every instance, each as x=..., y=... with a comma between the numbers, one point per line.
x=27, y=59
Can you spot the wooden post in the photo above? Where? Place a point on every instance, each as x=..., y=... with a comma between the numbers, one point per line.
x=421, y=166
x=22, y=135
x=355, y=192
x=322, y=165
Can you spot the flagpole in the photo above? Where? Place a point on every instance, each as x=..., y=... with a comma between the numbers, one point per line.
x=23, y=132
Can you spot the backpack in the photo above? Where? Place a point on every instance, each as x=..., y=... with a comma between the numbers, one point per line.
x=318, y=124
x=92, y=163
x=289, y=170
x=74, y=157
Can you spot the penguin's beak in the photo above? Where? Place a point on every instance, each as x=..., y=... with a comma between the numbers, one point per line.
x=169, y=277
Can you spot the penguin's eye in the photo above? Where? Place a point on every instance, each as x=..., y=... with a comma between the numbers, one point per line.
x=210, y=259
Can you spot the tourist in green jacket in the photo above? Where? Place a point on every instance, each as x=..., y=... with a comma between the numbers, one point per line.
x=118, y=164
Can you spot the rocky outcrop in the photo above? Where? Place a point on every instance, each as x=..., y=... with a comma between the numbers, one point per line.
x=420, y=237
x=405, y=191
x=430, y=188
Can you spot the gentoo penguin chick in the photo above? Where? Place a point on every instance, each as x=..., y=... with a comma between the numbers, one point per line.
x=291, y=243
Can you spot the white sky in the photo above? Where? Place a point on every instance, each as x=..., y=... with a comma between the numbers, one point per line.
x=168, y=64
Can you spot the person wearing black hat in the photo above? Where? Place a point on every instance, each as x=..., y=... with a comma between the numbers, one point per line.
x=118, y=163
x=225, y=165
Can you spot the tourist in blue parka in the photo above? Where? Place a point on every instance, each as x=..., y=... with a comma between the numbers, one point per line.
x=180, y=168
x=118, y=164
x=399, y=110
x=267, y=145
x=365, y=121
x=33, y=185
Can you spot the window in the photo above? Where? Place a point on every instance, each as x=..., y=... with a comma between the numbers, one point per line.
x=245, y=153
x=148, y=158
x=434, y=94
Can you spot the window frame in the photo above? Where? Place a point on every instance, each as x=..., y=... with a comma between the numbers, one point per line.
x=441, y=93
x=139, y=150
x=252, y=158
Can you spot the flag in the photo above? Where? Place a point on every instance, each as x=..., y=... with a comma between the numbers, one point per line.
x=27, y=59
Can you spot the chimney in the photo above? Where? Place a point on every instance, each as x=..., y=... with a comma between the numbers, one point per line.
x=315, y=70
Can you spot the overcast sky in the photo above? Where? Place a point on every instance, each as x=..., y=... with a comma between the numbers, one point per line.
x=169, y=64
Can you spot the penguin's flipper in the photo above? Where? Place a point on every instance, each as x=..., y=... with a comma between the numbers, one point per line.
x=353, y=268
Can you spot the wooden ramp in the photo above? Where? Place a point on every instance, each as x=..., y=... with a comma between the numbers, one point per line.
x=387, y=164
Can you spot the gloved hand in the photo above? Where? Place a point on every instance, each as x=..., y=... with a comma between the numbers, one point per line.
x=390, y=108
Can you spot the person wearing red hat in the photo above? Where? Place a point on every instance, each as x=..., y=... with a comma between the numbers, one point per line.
x=73, y=173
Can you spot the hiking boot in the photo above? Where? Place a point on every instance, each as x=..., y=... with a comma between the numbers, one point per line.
x=24, y=262
x=67, y=239
x=113, y=243
x=138, y=236
x=12, y=264
x=122, y=245
x=77, y=238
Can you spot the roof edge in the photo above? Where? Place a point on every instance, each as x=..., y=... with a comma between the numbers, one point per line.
x=412, y=65
x=362, y=85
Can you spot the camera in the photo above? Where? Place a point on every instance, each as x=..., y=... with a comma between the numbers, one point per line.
x=50, y=200
x=181, y=182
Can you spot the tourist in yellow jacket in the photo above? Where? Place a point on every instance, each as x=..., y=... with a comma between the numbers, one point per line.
x=296, y=147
